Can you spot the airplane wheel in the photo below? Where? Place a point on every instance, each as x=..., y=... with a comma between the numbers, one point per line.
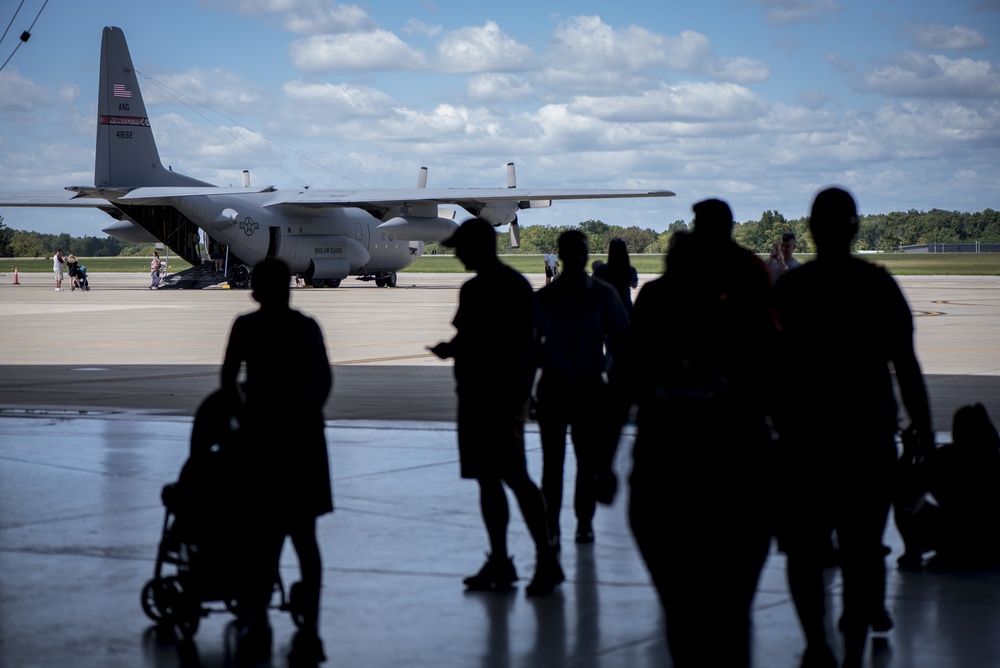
x=390, y=279
x=317, y=282
x=333, y=283
x=380, y=281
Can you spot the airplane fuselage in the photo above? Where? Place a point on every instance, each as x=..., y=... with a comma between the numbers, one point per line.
x=323, y=243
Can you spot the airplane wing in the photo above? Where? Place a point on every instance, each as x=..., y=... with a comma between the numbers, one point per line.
x=50, y=198
x=460, y=196
x=390, y=197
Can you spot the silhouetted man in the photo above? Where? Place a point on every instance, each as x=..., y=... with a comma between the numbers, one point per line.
x=698, y=506
x=577, y=315
x=288, y=379
x=492, y=350
x=848, y=320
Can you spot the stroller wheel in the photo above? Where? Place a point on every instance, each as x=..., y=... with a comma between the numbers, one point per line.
x=164, y=601
x=149, y=605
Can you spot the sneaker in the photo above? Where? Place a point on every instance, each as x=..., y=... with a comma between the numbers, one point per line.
x=58, y=290
x=548, y=574
x=497, y=574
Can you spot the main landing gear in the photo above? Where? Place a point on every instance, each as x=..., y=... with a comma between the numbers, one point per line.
x=385, y=280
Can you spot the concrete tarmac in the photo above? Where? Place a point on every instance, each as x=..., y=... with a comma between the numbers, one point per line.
x=96, y=394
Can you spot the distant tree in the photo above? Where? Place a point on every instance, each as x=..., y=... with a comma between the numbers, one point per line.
x=637, y=239
x=26, y=244
x=5, y=234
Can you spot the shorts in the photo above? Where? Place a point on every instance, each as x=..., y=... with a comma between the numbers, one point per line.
x=491, y=438
x=59, y=273
x=548, y=271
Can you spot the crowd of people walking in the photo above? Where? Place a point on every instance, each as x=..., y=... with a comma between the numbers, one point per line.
x=728, y=454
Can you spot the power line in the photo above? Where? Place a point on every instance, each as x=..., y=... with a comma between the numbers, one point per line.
x=25, y=36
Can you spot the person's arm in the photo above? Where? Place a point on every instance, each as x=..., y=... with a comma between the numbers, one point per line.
x=232, y=361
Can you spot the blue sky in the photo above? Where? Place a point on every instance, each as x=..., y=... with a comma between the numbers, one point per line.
x=759, y=102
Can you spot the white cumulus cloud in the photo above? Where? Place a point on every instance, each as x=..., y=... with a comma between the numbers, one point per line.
x=359, y=52
x=484, y=48
x=912, y=74
x=941, y=37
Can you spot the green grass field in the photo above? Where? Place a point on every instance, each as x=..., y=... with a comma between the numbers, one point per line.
x=899, y=264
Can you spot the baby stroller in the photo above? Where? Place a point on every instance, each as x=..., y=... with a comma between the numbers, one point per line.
x=208, y=531
x=241, y=277
x=81, y=278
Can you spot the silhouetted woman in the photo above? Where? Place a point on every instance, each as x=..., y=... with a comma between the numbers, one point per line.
x=619, y=272
x=288, y=379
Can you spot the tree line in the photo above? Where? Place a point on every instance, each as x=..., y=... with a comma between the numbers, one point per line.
x=23, y=243
x=881, y=232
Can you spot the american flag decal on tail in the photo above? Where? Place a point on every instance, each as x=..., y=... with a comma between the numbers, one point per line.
x=123, y=90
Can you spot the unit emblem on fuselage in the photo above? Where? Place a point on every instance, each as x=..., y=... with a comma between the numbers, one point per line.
x=249, y=226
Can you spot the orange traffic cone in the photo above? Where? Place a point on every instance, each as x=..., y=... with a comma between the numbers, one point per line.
x=16, y=282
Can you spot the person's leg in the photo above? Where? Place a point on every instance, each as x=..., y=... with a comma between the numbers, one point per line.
x=863, y=570
x=804, y=551
x=303, y=535
x=498, y=573
x=307, y=647
x=552, y=425
x=532, y=505
x=586, y=432
x=496, y=514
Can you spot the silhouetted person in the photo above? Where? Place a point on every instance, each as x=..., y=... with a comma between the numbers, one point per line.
x=493, y=382
x=699, y=485
x=964, y=479
x=623, y=277
x=577, y=315
x=838, y=421
x=619, y=272
x=288, y=379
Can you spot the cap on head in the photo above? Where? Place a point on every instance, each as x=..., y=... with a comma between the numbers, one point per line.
x=713, y=220
x=473, y=234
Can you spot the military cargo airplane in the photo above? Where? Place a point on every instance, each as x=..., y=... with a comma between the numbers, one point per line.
x=325, y=235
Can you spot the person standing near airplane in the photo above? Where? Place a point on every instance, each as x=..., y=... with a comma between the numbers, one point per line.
x=57, y=269
x=285, y=440
x=493, y=387
x=154, y=271
x=837, y=424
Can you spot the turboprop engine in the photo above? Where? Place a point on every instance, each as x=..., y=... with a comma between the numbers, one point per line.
x=419, y=228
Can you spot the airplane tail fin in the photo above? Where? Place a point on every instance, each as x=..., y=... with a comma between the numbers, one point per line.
x=126, y=150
